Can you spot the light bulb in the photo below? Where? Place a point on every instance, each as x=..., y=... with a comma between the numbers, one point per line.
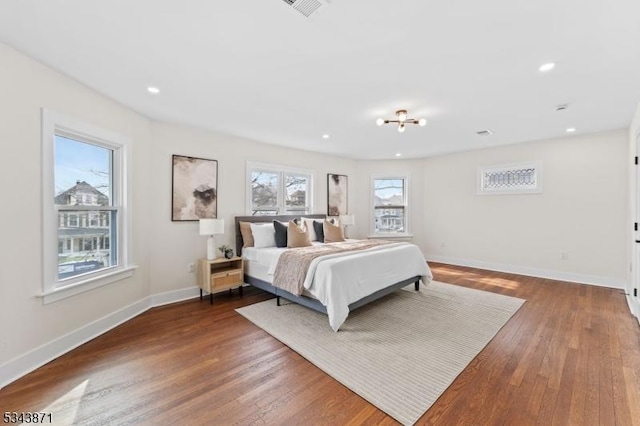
x=380, y=121
x=402, y=115
x=401, y=127
x=422, y=122
x=547, y=67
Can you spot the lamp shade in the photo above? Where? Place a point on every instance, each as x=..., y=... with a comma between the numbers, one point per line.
x=211, y=226
x=347, y=219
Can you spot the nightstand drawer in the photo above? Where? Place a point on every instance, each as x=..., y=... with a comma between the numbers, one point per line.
x=227, y=280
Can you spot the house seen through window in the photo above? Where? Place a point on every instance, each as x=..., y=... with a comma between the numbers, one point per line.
x=389, y=205
x=85, y=206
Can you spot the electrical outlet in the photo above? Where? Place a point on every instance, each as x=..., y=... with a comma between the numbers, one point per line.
x=191, y=268
x=564, y=255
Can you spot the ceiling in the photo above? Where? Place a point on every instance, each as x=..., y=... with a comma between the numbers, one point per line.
x=261, y=70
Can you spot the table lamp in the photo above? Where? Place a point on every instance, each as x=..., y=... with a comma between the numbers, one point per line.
x=210, y=227
x=347, y=219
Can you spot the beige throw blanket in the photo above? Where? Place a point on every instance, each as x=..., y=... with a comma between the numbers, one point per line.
x=293, y=264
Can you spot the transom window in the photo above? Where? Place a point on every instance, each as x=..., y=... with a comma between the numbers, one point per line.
x=510, y=179
x=389, y=206
x=277, y=190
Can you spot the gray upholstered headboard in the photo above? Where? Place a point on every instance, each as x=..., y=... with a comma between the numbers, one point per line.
x=262, y=219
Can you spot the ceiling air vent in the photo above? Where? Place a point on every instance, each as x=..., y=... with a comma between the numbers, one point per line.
x=486, y=132
x=307, y=7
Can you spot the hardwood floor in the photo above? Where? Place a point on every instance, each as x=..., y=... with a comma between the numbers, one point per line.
x=570, y=355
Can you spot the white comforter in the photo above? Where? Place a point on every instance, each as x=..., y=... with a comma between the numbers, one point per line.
x=341, y=279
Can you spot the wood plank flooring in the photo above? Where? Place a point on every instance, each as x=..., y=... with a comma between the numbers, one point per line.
x=570, y=355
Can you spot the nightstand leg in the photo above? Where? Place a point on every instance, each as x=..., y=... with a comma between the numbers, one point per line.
x=240, y=290
x=211, y=298
x=200, y=294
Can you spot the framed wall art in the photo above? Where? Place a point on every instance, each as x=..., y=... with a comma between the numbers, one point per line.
x=336, y=194
x=194, y=188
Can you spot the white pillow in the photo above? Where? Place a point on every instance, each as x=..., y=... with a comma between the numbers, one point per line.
x=308, y=223
x=264, y=235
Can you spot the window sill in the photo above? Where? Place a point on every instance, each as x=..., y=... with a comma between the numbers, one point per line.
x=86, y=285
x=378, y=236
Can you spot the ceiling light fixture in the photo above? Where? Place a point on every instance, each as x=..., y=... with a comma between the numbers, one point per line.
x=571, y=129
x=402, y=120
x=398, y=154
x=153, y=90
x=325, y=136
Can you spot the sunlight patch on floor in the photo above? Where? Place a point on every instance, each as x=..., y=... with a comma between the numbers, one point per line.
x=499, y=282
x=65, y=409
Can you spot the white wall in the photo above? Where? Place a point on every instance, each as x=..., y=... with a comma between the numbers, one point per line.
x=25, y=87
x=175, y=244
x=634, y=216
x=582, y=211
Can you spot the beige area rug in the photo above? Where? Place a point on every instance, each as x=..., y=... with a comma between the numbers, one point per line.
x=399, y=353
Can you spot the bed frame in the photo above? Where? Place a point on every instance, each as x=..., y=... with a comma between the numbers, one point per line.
x=303, y=300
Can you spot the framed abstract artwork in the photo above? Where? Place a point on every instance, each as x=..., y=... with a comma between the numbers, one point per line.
x=336, y=194
x=194, y=184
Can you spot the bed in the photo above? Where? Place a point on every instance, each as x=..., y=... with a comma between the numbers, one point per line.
x=339, y=283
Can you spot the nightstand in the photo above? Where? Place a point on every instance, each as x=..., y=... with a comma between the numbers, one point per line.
x=220, y=274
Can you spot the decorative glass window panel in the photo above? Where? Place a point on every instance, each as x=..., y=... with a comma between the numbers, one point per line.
x=522, y=178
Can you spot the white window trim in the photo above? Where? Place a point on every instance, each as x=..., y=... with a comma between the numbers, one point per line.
x=52, y=288
x=407, y=221
x=254, y=165
x=537, y=165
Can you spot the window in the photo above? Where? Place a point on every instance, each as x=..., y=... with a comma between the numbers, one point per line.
x=84, y=205
x=525, y=178
x=72, y=220
x=276, y=190
x=389, y=206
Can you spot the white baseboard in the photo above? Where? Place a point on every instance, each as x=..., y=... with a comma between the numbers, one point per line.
x=174, y=296
x=632, y=307
x=24, y=364
x=532, y=272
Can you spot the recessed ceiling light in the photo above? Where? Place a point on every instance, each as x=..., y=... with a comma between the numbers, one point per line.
x=153, y=90
x=325, y=136
x=547, y=67
x=571, y=129
x=398, y=154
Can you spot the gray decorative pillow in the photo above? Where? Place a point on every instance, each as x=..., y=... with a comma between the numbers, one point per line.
x=317, y=226
x=281, y=233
